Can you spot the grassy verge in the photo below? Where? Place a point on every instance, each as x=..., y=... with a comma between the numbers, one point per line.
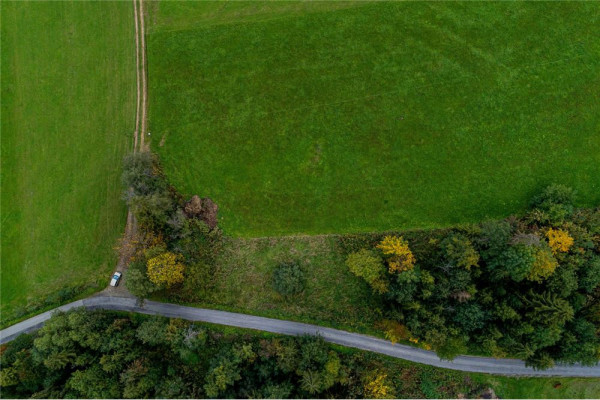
x=68, y=103
x=384, y=116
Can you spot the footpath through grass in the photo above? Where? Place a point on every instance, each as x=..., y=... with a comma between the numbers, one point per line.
x=68, y=113
x=334, y=118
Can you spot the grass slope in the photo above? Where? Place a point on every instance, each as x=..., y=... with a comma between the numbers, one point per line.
x=332, y=295
x=342, y=117
x=68, y=106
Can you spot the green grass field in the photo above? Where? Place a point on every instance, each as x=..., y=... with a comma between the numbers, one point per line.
x=340, y=117
x=543, y=388
x=68, y=114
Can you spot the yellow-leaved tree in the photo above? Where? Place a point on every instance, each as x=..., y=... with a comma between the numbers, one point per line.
x=544, y=265
x=559, y=240
x=165, y=270
x=400, y=257
x=376, y=387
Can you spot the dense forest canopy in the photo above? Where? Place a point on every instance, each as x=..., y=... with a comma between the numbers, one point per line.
x=521, y=287
x=99, y=354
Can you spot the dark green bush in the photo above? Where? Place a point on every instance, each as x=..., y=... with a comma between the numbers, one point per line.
x=288, y=279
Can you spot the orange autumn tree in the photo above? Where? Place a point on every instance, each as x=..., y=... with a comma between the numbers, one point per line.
x=165, y=270
x=559, y=240
x=400, y=257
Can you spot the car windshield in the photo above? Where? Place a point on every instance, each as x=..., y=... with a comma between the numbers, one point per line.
x=115, y=276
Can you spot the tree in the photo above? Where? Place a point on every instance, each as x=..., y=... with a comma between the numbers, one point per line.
x=493, y=239
x=368, y=265
x=589, y=274
x=400, y=258
x=553, y=205
x=224, y=374
x=459, y=250
x=544, y=264
x=140, y=173
x=152, y=331
x=540, y=360
x=94, y=383
x=394, y=331
x=137, y=281
x=563, y=281
x=288, y=279
x=549, y=309
x=375, y=386
x=152, y=211
x=580, y=343
x=310, y=382
x=559, y=240
x=515, y=262
x=165, y=270
x=470, y=317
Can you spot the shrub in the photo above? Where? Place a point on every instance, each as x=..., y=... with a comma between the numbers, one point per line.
x=288, y=279
x=401, y=258
x=165, y=270
x=368, y=265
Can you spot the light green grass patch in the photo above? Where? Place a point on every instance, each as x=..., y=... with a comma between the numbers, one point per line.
x=378, y=117
x=68, y=112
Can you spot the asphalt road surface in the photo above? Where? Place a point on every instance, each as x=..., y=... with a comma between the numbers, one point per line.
x=363, y=342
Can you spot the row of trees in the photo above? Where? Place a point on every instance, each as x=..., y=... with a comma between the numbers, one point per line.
x=98, y=354
x=175, y=248
x=525, y=287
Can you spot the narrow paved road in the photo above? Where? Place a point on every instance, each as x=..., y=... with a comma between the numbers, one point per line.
x=363, y=342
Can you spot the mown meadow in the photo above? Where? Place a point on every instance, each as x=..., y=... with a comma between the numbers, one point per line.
x=68, y=113
x=346, y=117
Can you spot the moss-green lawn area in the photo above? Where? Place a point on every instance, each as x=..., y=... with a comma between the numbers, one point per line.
x=68, y=115
x=341, y=117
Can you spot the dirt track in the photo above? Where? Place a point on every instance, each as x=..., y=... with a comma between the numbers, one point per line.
x=127, y=243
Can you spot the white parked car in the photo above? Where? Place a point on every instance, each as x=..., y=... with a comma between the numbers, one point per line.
x=115, y=279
